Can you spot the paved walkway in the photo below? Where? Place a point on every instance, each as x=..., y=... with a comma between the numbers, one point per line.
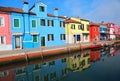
x=33, y=50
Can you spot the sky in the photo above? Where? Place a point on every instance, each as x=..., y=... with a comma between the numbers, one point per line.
x=93, y=10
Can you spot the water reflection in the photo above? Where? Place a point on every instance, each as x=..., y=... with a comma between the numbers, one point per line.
x=58, y=68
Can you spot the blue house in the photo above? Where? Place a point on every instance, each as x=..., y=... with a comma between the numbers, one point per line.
x=20, y=27
x=103, y=32
x=34, y=27
x=51, y=27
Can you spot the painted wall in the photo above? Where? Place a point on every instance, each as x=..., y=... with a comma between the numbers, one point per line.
x=94, y=33
x=103, y=32
x=6, y=32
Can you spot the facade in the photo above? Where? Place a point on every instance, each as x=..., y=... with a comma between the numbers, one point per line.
x=79, y=62
x=51, y=27
x=103, y=31
x=47, y=71
x=7, y=76
x=94, y=32
x=111, y=31
x=77, y=30
x=5, y=32
x=34, y=27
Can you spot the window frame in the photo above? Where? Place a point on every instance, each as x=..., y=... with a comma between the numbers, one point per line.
x=41, y=8
x=3, y=21
x=42, y=22
x=62, y=37
x=14, y=22
x=3, y=40
x=33, y=38
x=32, y=23
x=50, y=37
x=50, y=23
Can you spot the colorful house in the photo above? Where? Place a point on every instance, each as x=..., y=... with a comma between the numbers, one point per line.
x=5, y=32
x=103, y=31
x=51, y=27
x=32, y=28
x=111, y=31
x=77, y=30
x=94, y=32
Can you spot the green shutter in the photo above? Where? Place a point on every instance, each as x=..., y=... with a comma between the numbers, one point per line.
x=33, y=24
x=16, y=22
x=34, y=38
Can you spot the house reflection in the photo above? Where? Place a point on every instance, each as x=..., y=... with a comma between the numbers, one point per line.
x=94, y=55
x=79, y=62
x=47, y=71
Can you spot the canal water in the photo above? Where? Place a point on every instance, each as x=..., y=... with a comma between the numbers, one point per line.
x=88, y=65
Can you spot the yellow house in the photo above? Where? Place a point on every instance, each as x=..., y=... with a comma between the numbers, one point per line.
x=78, y=62
x=77, y=30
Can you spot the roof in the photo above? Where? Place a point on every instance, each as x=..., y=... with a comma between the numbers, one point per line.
x=51, y=15
x=10, y=9
x=72, y=21
x=95, y=24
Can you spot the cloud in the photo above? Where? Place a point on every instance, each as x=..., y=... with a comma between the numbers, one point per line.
x=95, y=10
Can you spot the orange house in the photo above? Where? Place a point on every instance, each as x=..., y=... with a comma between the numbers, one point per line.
x=94, y=32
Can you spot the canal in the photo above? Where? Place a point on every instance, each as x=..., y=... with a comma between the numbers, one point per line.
x=87, y=65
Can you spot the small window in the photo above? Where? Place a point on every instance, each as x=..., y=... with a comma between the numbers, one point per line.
x=62, y=36
x=50, y=23
x=79, y=27
x=46, y=77
x=73, y=26
x=62, y=24
x=52, y=63
x=1, y=21
x=53, y=75
x=41, y=8
x=33, y=23
x=82, y=26
x=50, y=37
x=35, y=38
x=37, y=78
x=42, y=22
x=2, y=40
x=16, y=23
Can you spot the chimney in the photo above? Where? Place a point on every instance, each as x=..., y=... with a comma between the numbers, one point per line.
x=55, y=11
x=25, y=7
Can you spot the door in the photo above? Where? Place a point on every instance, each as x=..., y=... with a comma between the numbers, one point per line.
x=42, y=41
x=17, y=42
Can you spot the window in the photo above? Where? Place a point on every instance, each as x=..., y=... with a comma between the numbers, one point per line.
x=73, y=26
x=63, y=60
x=46, y=77
x=16, y=23
x=64, y=72
x=37, y=66
x=20, y=70
x=50, y=37
x=2, y=40
x=53, y=75
x=35, y=38
x=82, y=26
x=62, y=36
x=52, y=63
x=50, y=23
x=62, y=24
x=41, y=8
x=1, y=21
x=33, y=23
x=37, y=78
x=86, y=37
x=42, y=22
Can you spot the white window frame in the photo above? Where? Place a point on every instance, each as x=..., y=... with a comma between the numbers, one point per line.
x=3, y=21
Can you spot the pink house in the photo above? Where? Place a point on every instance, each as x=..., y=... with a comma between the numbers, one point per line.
x=5, y=33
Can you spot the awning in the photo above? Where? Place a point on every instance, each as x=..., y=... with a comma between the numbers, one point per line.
x=17, y=33
x=34, y=33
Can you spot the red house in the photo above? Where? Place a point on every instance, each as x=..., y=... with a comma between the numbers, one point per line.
x=94, y=32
